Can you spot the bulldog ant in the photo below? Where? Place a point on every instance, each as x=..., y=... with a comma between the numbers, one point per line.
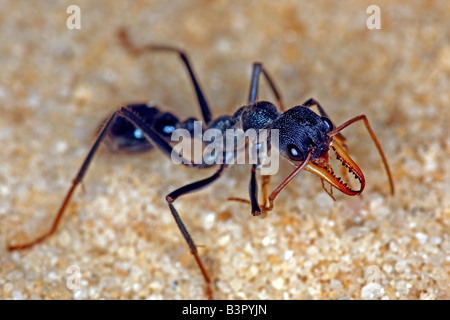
x=305, y=140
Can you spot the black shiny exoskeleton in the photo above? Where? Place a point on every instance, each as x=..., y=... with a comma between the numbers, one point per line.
x=301, y=129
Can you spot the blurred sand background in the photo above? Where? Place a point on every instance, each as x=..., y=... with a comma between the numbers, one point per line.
x=57, y=85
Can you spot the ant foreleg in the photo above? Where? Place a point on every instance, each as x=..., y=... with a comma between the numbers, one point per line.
x=204, y=107
x=170, y=199
x=253, y=191
x=265, y=190
x=253, y=95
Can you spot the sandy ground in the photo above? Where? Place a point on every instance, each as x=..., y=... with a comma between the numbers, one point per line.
x=118, y=239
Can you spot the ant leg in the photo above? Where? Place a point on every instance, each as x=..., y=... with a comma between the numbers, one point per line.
x=254, y=86
x=170, y=199
x=265, y=189
x=330, y=193
x=253, y=95
x=149, y=134
x=239, y=200
x=375, y=140
x=69, y=194
x=253, y=190
x=257, y=69
x=204, y=107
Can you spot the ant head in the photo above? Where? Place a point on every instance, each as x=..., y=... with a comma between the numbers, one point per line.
x=301, y=131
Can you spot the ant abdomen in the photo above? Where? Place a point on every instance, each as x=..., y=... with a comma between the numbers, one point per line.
x=123, y=136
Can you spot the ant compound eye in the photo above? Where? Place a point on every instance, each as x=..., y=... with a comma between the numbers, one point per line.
x=294, y=153
x=328, y=123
